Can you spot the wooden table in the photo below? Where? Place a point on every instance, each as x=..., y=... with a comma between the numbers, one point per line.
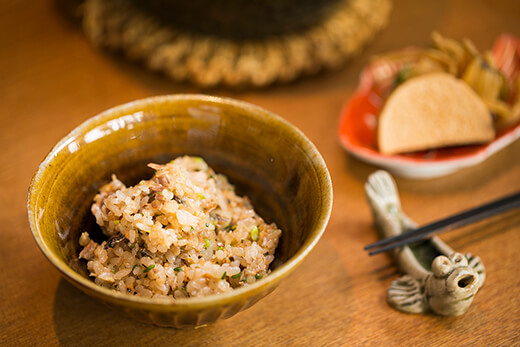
x=52, y=79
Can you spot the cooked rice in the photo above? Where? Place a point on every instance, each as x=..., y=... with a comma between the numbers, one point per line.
x=183, y=233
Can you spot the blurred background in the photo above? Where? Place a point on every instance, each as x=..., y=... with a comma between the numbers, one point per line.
x=62, y=62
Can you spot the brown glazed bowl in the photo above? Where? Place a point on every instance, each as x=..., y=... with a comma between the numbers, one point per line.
x=266, y=158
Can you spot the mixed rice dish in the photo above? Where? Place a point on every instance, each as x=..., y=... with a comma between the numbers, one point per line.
x=183, y=233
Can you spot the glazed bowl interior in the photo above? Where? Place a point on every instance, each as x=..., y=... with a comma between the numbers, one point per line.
x=265, y=157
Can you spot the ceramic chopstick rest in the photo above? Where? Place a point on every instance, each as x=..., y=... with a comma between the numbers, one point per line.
x=436, y=278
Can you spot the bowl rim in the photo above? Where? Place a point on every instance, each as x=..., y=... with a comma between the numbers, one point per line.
x=167, y=304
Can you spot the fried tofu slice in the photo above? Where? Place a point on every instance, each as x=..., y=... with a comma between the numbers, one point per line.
x=432, y=111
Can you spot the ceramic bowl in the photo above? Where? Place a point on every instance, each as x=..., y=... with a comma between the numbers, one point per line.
x=263, y=155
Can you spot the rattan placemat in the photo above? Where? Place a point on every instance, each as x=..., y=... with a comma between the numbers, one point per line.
x=209, y=60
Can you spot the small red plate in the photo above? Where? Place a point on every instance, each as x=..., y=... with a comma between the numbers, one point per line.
x=358, y=131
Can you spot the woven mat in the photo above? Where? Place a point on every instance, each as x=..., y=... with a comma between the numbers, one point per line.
x=208, y=61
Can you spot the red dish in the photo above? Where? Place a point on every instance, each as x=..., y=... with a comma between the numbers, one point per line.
x=358, y=125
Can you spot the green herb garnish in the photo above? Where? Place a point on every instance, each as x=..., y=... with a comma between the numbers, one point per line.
x=207, y=225
x=201, y=196
x=230, y=227
x=143, y=231
x=133, y=267
x=258, y=276
x=223, y=276
x=236, y=275
x=116, y=222
x=402, y=76
x=221, y=248
x=206, y=243
x=148, y=268
x=254, y=233
x=177, y=269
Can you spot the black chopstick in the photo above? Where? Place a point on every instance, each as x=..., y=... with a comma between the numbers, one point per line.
x=456, y=221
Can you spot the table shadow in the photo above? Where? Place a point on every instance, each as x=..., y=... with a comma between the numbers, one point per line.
x=314, y=302
x=463, y=180
x=483, y=230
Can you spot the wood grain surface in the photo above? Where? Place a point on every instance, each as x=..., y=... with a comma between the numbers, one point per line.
x=52, y=79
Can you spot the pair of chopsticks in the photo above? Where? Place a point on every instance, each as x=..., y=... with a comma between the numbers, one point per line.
x=455, y=221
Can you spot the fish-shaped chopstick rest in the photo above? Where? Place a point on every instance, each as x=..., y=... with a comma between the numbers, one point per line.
x=437, y=278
